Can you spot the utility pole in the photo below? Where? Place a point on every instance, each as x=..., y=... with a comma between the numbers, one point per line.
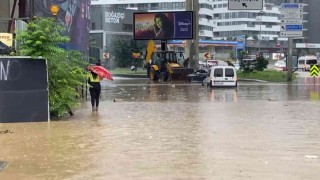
x=290, y=57
x=192, y=46
x=259, y=39
x=31, y=9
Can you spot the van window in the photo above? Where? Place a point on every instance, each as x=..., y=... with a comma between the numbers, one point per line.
x=301, y=61
x=229, y=72
x=312, y=61
x=218, y=72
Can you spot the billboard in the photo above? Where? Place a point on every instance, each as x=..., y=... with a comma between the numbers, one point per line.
x=74, y=15
x=163, y=25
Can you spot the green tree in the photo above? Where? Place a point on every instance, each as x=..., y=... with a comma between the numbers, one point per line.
x=65, y=68
x=312, y=52
x=233, y=55
x=122, y=51
x=261, y=63
x=303, y=53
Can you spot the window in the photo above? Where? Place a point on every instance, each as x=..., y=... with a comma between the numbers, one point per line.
x=312, y=61
x=218, y=72
x=93, y=26
x=229, y=72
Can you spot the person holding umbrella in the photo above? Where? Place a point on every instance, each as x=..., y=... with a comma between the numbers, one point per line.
x=97, y=73
x=94, y=89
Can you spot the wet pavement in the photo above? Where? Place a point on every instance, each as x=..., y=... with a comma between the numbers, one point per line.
x=175, y=131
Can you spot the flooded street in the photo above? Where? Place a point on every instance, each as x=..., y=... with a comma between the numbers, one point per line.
x=156, y=131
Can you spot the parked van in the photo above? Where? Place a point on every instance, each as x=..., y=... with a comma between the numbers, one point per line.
x=222, y=76
x=304, y=62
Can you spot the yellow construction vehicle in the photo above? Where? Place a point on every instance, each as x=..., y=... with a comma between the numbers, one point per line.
x=165, y=65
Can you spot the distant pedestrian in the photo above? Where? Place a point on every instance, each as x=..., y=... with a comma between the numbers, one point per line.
x=99, y=63
x=94, y=89
x=186, y=63
x=230, y=63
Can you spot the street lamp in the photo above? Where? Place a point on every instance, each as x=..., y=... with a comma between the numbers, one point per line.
x=54, y=10
x=259, y=39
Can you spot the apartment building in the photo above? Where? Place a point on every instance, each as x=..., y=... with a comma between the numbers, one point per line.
x=264, y=24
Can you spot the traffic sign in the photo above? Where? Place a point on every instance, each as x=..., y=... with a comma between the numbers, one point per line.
x=295, y=16
x=291, y=27
x=207, y=55
x=245, y=5
x=314, y=70
x=291, y=34
x=291, y=6
x=291, y=21
x=106, y=55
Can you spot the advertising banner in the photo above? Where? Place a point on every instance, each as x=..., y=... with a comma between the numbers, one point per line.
x=6, y=38
x=74, y=15
x=163, y=25
x=241, y=42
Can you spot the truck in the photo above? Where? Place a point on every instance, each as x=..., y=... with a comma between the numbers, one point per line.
x=167, y=65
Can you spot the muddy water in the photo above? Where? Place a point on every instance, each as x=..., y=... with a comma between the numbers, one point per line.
x=175, y=131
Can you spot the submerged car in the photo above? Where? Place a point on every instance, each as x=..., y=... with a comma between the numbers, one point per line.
x=280, y=65
x=199, y=75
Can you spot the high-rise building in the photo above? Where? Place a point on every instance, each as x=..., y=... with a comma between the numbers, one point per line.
x=264, y=24
x=312, y=21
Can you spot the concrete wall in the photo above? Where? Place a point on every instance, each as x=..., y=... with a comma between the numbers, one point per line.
x=4, y=13
x=313, y=24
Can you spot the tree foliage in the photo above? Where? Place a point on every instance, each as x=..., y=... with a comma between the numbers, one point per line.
x=261, y=63
x=122, y=51
x=65, y=68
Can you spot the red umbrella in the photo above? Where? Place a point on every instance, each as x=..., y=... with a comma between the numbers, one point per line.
x=101, y=71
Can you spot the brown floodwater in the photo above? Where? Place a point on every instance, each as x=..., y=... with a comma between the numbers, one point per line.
x=174, y=131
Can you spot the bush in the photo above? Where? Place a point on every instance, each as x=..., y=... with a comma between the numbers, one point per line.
x=261, y=63
x=65, y=68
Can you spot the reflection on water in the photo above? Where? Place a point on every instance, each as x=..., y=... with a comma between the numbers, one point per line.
x=145, y=90
x=174, y=131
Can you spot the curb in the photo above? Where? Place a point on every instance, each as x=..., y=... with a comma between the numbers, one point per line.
x=253, y=80
x=144, y=76
x=130, y=75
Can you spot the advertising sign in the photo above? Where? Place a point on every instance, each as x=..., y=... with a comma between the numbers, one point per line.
x=6, y=38
x=163, y=25
x=73, y=15
x=241, y=42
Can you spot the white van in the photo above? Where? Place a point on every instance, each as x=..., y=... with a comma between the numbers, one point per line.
x=222, y=76
x=304, y=62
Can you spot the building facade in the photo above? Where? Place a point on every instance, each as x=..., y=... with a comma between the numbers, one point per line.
x=312, y=21
x=74, y=15
x=265, y=24
x=108, y=23
x=206, y=23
